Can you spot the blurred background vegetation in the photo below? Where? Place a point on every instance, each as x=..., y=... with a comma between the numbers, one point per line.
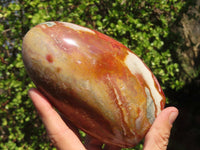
x=164, y=33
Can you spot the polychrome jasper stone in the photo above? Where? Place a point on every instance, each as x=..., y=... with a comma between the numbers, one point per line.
x=96, y=82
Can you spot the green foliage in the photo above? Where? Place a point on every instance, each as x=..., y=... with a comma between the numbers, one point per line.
x=143, y=26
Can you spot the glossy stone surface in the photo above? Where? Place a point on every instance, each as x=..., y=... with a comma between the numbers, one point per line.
x=96, y=82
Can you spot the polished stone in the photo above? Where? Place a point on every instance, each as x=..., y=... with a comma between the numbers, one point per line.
x=96, y=82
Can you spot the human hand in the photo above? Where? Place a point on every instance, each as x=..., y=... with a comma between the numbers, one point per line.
x=65, y=137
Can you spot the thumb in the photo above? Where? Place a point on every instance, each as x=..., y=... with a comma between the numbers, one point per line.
x=158, y=135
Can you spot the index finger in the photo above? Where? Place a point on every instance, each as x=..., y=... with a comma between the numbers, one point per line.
x=60, y=134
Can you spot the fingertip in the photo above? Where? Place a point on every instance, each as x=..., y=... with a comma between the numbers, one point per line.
x=168, y=110
x=31, y=91
x=33, y=94
x=40, y=102
x=171, y=109
x=171, y=113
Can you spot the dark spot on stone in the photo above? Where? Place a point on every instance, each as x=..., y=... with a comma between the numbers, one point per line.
x=49, y=58
x=58, y=69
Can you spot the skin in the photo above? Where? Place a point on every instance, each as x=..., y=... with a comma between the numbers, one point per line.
x=65, y=136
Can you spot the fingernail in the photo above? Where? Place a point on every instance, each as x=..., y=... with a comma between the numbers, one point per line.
x=173, y=116
x=30, y=92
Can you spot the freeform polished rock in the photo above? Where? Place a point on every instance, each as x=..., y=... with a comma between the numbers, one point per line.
x=96, y=82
